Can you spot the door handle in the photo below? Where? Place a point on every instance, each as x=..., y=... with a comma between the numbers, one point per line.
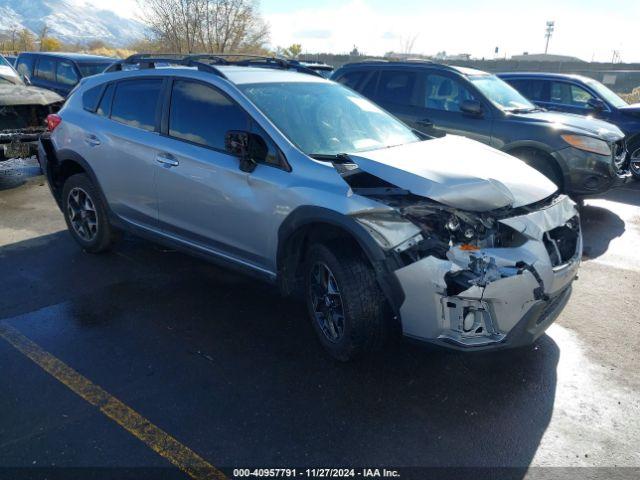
x=92, y=140
x=167, y=160
x=425, y=122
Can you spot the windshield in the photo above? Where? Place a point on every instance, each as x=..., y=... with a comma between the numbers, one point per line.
x=88, y=69
x=326, y=119
x=607, y=94
x=501, y=94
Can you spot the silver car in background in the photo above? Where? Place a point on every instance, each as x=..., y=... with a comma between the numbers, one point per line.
x=308, y=185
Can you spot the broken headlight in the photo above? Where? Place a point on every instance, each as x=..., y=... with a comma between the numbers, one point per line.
x=389, y=229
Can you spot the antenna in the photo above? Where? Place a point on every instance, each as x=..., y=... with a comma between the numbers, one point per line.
x=551, y=25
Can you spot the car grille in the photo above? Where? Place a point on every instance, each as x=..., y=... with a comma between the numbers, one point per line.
x=620, y=155
x=562, y=242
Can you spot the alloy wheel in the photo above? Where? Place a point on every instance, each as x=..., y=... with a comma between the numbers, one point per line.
x=635, y=163
x=82, y=214
x=326, y=302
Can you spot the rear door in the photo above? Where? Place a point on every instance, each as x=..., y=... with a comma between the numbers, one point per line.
x=121, y=144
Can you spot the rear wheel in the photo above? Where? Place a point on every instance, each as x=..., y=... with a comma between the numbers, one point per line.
x=345, y=304
x=86, y=215
x=544, y=163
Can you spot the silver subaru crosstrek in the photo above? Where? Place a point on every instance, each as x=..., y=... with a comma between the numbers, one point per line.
x=306, y=184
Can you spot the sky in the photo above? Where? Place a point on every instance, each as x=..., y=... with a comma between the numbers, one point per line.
x=587, y=29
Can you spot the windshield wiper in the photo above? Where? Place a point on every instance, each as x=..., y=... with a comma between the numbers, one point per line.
x=523, y=110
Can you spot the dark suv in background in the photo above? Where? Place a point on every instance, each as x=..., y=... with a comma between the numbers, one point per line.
x=583, y=96
x=582, y=156
x=59, y=72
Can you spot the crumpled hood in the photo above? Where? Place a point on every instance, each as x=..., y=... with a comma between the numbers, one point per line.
x=458, y=172
x=575, y=123
x=11, y=95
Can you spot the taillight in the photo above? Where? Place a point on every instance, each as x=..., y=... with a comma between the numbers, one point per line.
x=53, y=120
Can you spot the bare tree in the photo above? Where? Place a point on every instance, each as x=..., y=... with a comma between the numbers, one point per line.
x=186, y=26
x=408, y=44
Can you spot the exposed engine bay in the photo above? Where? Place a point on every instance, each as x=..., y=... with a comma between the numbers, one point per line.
x=470, y=277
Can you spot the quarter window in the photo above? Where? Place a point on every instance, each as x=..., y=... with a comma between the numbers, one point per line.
x=104, y=109
x=135, y=103
x=91, y=97
x=444, y=93
x=66, y=74
x=202, y=115
x=45, y=69
x=397, y=87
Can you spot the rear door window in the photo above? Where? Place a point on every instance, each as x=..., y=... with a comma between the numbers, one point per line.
x=66, y=73
x=45, y=69
x=203, y=115
x=397, y=87
x=135, y=103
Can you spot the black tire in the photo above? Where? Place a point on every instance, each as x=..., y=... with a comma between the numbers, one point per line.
x=544, y=163
x=95, y=240
x=366, y=319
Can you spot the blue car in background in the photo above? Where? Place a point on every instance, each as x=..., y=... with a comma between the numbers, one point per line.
x=584, y=96
x=58, y=71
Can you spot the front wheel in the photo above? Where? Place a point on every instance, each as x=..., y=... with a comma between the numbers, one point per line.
x=345, y=304
x=634, y=166
x=86, y=215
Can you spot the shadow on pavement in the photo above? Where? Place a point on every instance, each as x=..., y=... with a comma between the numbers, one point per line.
x=234, y=371
x=599, y=227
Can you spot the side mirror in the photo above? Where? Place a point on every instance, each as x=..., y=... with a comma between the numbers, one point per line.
x=249, y=147
x=26, y=80
x=595, y=103
x=471, y=107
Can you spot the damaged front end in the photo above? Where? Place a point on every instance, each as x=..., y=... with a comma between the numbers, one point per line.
x=477, y=280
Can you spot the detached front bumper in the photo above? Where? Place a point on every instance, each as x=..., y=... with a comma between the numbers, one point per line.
x=511, y=294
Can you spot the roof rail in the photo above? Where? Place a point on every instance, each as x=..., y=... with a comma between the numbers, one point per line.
x=150, y=61
x=209, y=61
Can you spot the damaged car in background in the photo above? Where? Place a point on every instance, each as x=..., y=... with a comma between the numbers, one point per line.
x=379, y=228
x=23, y=113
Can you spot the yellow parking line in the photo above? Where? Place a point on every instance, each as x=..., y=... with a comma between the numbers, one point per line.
x=155, y=438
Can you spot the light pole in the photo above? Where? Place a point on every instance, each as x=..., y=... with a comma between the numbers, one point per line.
x=549, y=31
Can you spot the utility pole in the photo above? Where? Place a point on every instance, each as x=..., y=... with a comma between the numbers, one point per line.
x=549, y=31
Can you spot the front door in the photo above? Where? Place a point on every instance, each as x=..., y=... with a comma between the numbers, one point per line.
x=204, y=198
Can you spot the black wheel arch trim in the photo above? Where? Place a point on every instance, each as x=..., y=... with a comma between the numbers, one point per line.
x=382, y=263
x=540, y=146
x=65, y=155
